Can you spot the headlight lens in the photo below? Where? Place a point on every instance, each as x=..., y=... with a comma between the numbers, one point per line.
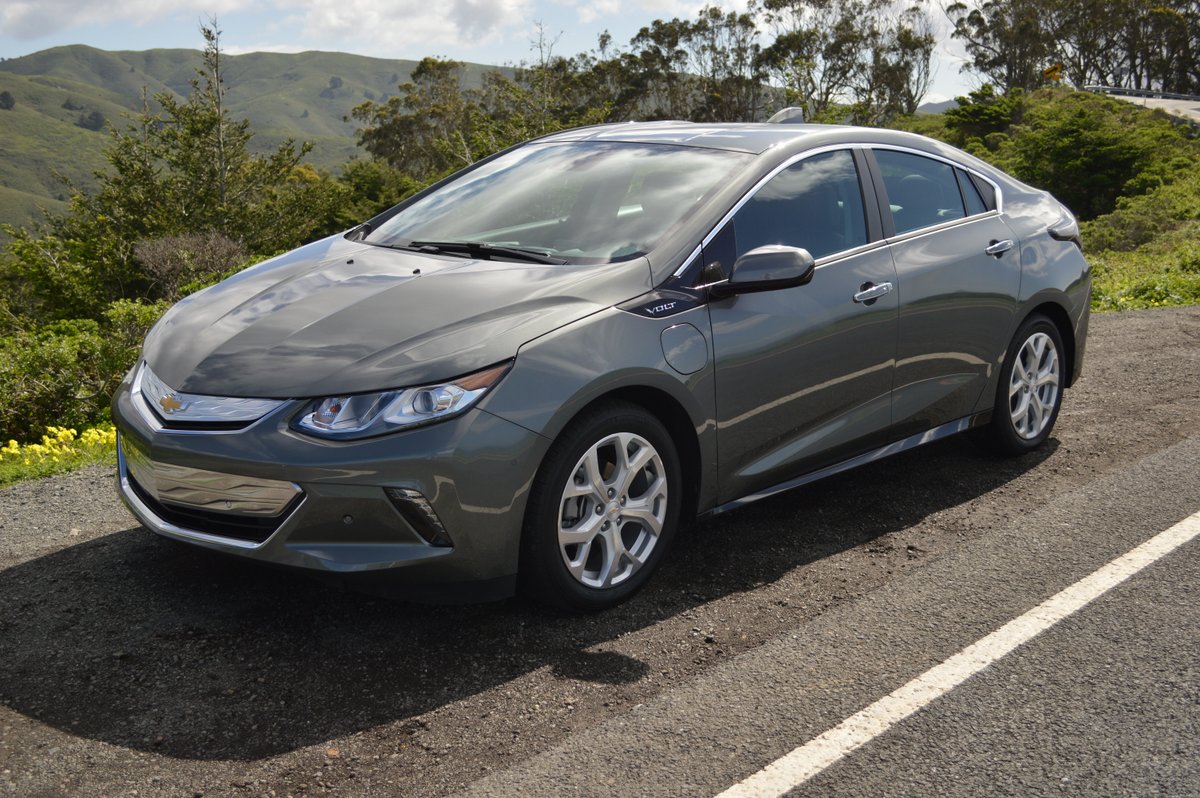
x=364, y=415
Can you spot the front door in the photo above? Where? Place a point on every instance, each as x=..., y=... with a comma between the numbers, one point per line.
x=803, y=375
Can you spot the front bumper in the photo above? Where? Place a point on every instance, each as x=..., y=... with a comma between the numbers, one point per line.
x=364, y=512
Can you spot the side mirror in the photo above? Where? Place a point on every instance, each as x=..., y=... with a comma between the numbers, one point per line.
x=767, y=268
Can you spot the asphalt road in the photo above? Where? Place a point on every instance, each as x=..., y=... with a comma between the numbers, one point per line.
x=1188, y=109
x=130, y=665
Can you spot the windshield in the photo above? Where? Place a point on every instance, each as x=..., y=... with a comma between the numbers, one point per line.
x=576, y=202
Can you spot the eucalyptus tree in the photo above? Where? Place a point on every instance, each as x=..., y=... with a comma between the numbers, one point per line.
x=868, y=60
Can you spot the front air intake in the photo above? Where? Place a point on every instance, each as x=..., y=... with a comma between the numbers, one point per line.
x=420, y=515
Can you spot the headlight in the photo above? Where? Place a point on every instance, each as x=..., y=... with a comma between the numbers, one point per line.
x=366, y=414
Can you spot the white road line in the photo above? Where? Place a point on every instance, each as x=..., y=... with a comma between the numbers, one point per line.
x=797, y=767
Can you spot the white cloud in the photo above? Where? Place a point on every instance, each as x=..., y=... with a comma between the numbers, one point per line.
x=30, y=19
x=665, y=9
x=355, y=25
x=598, y=9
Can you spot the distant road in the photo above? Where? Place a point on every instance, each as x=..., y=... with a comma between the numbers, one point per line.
x=1185, y=108
x=1175, y=104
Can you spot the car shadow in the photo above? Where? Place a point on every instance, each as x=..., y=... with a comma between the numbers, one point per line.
x=140, y=642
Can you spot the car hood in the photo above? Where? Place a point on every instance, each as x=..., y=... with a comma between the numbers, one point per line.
x=340, y=317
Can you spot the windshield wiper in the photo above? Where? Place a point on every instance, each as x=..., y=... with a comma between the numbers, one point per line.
x=484, y=251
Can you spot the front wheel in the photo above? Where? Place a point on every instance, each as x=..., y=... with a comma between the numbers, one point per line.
x=1029, y=394
x=603, y=509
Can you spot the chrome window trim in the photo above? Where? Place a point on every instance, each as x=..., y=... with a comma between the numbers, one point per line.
x=737, y=206
x=937, y=228
x=689, y=260
x=833, y=257
x=911, y=151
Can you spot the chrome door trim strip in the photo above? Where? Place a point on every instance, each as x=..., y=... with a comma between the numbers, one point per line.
x=911, y=442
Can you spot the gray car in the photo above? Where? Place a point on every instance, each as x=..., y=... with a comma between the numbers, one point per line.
x=536, y=370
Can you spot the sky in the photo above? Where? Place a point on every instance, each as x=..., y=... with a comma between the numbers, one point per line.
x=483, y=31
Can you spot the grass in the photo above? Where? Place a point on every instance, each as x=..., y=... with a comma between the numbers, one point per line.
x=1136, y=281
x=61, y=449
x=1162, y=272
x=22, y=208
x=39, y=138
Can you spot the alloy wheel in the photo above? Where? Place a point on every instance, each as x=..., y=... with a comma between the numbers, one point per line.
x=612, y=510
x=1033, y=386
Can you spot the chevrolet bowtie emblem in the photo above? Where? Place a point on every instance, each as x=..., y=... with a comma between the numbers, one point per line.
x=170, y=403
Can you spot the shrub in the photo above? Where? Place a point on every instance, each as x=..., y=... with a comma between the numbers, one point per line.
x=64, y=373
x=1089, y=150
x=1140, y=219
x=176, y=261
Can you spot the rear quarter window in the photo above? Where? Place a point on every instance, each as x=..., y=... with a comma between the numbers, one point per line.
x=975, y=203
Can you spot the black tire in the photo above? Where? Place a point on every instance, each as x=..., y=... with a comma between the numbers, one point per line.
x=544, y=571
x=1014, y=437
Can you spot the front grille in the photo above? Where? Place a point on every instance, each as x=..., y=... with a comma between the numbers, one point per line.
x=159, y=403
x=250, y=528
x=200, y=426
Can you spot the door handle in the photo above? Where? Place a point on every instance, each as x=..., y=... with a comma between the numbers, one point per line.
x=998, y=248
x=869, y=292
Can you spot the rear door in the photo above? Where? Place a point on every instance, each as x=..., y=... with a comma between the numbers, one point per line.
x=804, y=375
x=958, y=267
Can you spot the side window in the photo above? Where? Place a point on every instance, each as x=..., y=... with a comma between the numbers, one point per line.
x=815, y=204
x=921, y=191
x=986, y=190
x=975, y=203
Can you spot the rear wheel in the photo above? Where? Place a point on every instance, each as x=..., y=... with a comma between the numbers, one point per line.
x=1029, y=394
x=603, y=509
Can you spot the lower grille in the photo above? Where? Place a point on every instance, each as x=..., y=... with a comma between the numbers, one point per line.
x=250, y=528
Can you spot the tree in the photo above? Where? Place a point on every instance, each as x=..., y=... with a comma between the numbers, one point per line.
x=93, y=121
x=550, y=94
x=726, y=59
x=899, y=72
x=660, y=59
x=436, y=125
x=371, y=186
x=1009, y=41
x=983, y=113
x=7, y=101
x=868, y=59
x=1137, y=44
x=423, y=130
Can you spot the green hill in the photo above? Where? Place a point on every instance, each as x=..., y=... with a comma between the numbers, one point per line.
x=58, y=92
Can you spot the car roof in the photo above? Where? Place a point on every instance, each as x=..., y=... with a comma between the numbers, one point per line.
x=740, y=137
x=780, y=139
